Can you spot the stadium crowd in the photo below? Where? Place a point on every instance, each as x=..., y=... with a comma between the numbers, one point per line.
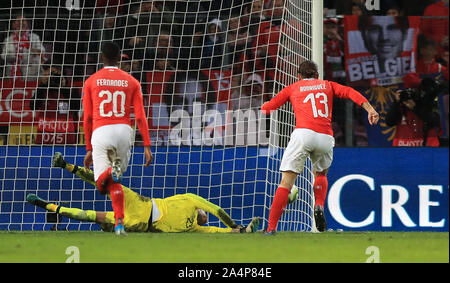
x=207, y=45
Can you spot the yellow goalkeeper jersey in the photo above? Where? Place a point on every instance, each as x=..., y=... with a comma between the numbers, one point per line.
x=179, y=214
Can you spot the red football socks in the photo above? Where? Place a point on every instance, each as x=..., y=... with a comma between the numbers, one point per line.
x=117, y=200
x=320, y=190
x=106, y=184
x=278, y=205
x=103, y=180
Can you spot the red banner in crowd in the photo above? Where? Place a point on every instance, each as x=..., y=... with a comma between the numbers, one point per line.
x=15, y=102
x=221, y=81
x=56, y=131
x=380, y=50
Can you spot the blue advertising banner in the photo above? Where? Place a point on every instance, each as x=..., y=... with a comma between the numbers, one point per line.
x=370, y=189
x=389, y=189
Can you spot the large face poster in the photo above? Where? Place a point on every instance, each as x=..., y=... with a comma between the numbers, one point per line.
x=379, y=50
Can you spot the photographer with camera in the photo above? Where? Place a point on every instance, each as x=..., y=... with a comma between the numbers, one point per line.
x=56, y=106
x=415, y=112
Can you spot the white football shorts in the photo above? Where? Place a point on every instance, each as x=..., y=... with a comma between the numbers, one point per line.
x=116, y=137
x=304, y=143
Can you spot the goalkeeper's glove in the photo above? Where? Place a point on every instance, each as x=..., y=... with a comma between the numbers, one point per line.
x=252, y=227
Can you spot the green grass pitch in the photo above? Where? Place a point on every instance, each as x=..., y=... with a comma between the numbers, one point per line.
x=285, y=247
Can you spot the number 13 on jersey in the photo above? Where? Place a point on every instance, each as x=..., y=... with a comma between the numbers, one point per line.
x=321, y=98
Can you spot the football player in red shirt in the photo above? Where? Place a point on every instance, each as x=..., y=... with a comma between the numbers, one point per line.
x=108, y=97
x=312, y=101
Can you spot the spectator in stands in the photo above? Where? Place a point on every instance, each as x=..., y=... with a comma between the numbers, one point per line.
x=443, y=60
x=22, y=51
x=358, y=9
x=214, y=45
x=53, y=97
x=437, y=28
x=164, y=64
x=234, y=23
x=161, y=63
x=394, y=11
x=105, y=28
x=253, y=14
x=231, y=37
x=164, y=48
x=137, y=69
x=238, y=39
x=164, y=44
x=194, y=52
x=427, y=64
x=143, y=25
x=190, y=13
x=111, y=6
x=351, y=7
x=269, y=6
x=334, y=70
x=409, y=127
x=125, y=63
x=55, y=101
x=185, y=88
x=255, y=23
x=250, y=95
x=265, y=47
x=47, y=68
x=333, y=51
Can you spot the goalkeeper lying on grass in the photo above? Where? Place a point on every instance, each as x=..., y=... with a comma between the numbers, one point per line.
x=179, y=213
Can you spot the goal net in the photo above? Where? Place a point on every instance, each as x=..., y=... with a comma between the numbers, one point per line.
x=299, y=41
x=205, y=67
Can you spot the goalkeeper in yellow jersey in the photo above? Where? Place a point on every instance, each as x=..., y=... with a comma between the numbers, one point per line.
x=179, y=213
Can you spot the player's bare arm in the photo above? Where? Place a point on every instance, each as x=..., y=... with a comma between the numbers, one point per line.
x=142, y=123
x=88, y=159
x=275, y=103
x=143, y=127
x=148, y=156
x=87, y=125
x=373, y=115
x=349, y=93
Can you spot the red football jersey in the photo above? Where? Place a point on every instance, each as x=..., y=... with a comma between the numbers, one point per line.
x=312, y=101
x=108, y=96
